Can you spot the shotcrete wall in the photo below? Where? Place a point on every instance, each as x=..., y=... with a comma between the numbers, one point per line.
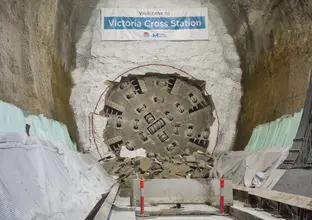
x=214, y=61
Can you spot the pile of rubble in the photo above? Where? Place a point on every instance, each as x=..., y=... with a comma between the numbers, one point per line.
x=187, y=165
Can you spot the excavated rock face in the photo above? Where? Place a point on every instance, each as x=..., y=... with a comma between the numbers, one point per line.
x=36, y=51
x=162, y=113
x=273, y=38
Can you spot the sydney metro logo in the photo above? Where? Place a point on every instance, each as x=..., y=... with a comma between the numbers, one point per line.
x=154, y=35
x=146, y=34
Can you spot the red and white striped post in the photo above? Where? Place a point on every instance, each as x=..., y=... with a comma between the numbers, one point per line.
x=142, y=195
x=221, y=196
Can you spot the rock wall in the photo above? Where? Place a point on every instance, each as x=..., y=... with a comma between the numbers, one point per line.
x=36, y=51
x=273, y=38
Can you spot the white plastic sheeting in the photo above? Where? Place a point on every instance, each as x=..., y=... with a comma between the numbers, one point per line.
x=189, y=218
x=13, y=119
x=275, y=134
x=40, y=180
x=242, y=167
x=215, y=61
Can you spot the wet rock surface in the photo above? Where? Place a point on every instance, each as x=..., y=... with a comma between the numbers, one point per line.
x=195, y=165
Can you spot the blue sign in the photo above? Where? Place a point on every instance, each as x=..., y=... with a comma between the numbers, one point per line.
x=155, y=23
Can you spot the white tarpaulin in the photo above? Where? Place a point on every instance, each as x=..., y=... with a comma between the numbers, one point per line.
x=154, y=24
x=248, y=168
x=40, y=180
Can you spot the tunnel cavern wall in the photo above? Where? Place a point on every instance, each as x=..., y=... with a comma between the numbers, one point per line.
x=36, y=51
x=273, y=39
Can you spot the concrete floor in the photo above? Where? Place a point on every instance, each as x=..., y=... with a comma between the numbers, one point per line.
x=118, y=215
x=130, y=215
x=189, y=218
x=185, y=207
